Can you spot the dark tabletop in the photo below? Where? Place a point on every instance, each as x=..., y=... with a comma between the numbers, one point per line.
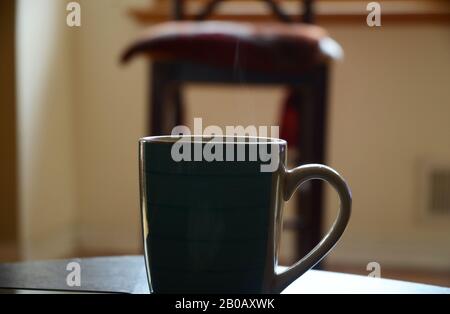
x=126, y=274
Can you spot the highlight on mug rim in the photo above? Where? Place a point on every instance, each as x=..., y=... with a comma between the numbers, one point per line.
x=213, y=139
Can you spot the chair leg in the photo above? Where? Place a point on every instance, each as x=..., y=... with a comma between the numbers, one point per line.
x=166, y=103
x=312, y=128
x=178, y=104
x=158, y=95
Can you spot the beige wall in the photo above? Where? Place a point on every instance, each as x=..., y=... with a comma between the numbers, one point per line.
x=45, y=128
x=388, y=110
x=110, y=117
x=390, y=113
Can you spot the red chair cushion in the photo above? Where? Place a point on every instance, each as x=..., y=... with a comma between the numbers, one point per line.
x=262, y=47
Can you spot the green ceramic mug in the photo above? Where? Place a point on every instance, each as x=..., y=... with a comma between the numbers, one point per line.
x=213, y=225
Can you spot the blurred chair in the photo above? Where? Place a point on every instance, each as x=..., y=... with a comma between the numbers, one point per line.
x=290, y=53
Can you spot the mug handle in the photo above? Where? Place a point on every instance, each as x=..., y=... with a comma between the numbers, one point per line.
x=292, y=180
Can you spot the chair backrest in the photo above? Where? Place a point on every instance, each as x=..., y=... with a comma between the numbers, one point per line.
x=306, y=6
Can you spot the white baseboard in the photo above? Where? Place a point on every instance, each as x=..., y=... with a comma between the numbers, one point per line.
x=55, y=244
x=395, y=255
x=100, y=239
x=63, y=243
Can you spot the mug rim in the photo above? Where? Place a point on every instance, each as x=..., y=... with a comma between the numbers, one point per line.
x=200, y=139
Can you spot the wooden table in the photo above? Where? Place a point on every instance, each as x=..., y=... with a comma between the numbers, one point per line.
x=126, y=274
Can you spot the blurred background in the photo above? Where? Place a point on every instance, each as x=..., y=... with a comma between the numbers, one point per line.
x=71, y=115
